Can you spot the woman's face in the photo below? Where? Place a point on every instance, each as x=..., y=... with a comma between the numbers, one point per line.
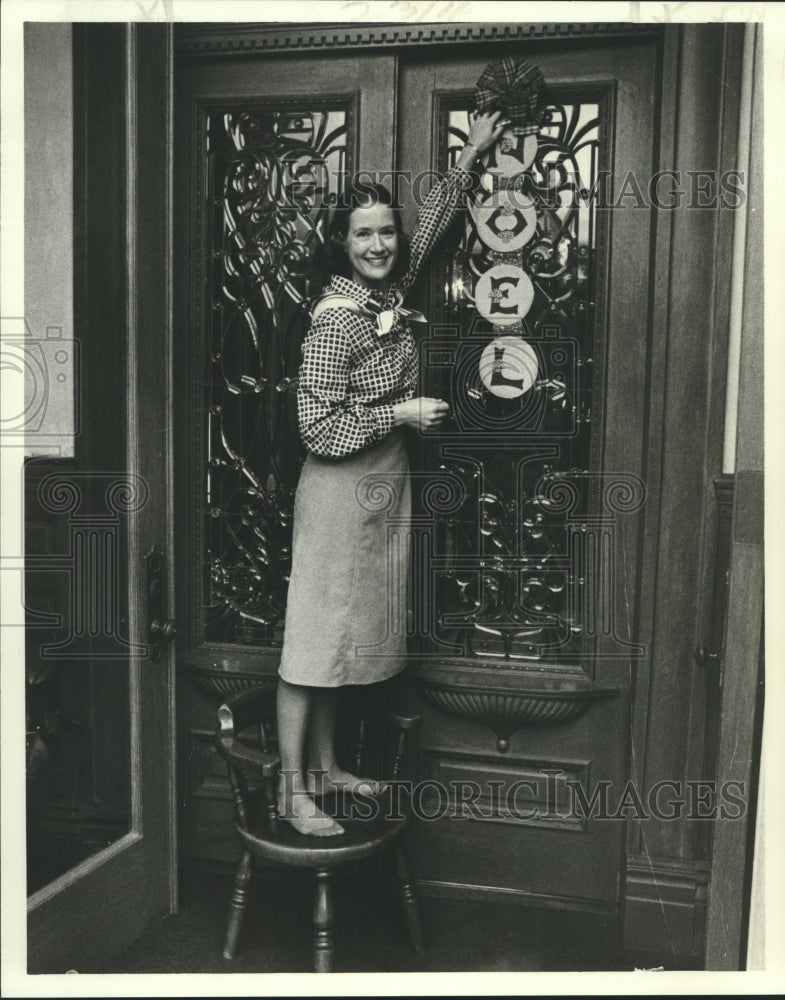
x=372, y=244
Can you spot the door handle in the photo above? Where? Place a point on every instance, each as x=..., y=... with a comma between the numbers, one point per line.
x=704, y=657
x=160, y=629
x=163, y=630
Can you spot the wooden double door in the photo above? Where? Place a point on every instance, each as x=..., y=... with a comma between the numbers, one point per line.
x=561, y=519
x=565, y=520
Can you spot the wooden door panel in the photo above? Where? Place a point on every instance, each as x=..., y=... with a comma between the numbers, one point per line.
x=372, y=78
x=578, y=861
x=231, y=634
x=90, y=913
x=531, y=840
x=285, y=96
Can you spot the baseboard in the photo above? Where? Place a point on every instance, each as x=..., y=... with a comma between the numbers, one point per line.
x=665, y=907
x=496, y=894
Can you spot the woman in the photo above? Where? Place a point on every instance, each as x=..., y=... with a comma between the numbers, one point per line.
x=347, y=593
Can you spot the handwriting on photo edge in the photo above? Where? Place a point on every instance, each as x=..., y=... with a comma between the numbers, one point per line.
x=405, y=10
x=675, y=13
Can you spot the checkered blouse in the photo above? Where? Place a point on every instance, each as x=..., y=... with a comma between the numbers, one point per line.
x=351, y=375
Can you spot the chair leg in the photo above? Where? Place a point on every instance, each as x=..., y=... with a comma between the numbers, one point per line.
x=238, y=903
x=323, y=921
x=411, y=910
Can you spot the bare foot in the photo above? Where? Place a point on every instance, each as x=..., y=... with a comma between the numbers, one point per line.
x=305, y=816
x=322, y=783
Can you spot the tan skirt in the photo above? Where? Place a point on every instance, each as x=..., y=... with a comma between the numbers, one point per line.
x=346, y=607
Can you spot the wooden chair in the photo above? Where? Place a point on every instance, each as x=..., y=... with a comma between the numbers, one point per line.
x=265, y=836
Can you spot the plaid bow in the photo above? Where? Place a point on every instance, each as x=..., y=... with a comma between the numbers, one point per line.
x=387, y=318
x=513, y=86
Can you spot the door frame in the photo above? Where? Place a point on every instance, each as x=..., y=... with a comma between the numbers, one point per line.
x=75, y=921
x=693, y=58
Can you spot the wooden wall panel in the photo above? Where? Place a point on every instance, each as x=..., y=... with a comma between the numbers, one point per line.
x=686, y=436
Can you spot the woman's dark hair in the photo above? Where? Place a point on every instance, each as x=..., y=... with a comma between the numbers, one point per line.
x=331, y=258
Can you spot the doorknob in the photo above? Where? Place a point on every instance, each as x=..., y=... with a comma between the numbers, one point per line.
x=160, y=629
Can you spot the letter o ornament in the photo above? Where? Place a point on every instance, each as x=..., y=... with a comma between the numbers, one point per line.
x=505, y=221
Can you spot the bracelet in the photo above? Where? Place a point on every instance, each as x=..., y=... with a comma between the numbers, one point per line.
x=476, y=151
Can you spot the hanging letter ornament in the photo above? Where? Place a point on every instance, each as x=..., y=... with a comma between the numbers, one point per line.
x=508, y=367
x=504, y=294
x=505, y=218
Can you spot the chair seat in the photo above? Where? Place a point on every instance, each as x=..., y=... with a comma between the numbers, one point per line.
x=365, y=835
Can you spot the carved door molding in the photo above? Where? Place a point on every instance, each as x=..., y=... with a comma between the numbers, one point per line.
x=243, y=39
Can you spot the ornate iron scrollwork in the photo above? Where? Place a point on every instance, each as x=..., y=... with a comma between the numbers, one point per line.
x=517, y=363
x=272, y=172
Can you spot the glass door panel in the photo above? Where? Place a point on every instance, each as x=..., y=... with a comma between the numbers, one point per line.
x=521, y=381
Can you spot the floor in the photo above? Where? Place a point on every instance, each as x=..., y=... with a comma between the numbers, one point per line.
x=461, y=935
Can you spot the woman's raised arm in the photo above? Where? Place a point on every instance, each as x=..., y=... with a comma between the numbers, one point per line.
x=438, y=209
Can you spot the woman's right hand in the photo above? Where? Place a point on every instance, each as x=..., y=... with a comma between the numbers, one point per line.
x=485, y=128
x=422, y=413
